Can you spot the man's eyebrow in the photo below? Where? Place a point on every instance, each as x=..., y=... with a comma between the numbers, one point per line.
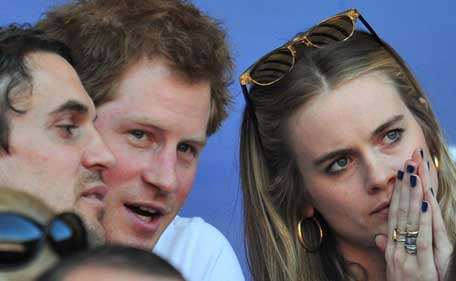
x=71, y=105
x=387, y=124
x=198, y=141
x=149, y=123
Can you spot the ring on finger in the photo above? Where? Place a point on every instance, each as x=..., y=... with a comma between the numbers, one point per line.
x=410, y=242
x=399, y=235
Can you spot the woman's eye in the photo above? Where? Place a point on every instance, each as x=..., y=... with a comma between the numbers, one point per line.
x=338, y=165
x=392, y=136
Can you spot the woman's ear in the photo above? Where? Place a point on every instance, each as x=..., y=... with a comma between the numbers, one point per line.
x=309, y=211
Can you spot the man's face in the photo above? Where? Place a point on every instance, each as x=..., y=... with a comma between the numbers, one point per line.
x=55, y=152
x=156, y=128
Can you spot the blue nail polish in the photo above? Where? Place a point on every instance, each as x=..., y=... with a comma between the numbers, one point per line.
x=413, y=180
x=432, y=191
x=422, y=153
x=410, y=169
x=424, y=206
x=400, y=174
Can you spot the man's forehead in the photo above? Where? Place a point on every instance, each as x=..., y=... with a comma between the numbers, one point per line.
x=56, y=84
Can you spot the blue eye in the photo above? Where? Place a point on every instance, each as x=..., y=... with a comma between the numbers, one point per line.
x=137, y=134
x=393, y=136
x=338, y=165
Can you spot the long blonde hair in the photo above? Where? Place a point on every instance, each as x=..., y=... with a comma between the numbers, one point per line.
x=271, y=182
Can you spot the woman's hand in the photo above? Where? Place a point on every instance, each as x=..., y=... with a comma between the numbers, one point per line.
x=415, y=218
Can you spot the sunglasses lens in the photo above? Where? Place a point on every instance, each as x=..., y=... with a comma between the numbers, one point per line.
x=67, y=234
x=19, y=239
x=335, y=29
x=272, y=67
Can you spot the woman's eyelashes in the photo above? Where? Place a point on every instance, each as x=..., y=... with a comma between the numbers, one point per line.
x=393, y=136
x=338, y=165
x=389, y=138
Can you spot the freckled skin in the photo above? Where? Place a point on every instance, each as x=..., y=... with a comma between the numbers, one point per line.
x=149, y=127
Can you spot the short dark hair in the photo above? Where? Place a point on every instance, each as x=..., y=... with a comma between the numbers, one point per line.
x=106, y=37
x=112, y=256
x=16, y=41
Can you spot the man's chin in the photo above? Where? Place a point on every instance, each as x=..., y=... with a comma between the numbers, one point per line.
x=95, y=235
x=133, y=241
x=92, y=222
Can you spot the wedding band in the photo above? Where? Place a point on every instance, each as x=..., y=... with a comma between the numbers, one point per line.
x=399, y=235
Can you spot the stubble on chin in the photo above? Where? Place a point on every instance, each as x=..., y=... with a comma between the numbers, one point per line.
x=92, y=221
x=95, y=231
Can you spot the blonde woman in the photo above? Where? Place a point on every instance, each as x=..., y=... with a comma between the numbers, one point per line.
x=345, y=173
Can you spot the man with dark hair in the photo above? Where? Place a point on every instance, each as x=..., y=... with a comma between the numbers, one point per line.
x=110, y=263
x=49, y=145
x=158, y=72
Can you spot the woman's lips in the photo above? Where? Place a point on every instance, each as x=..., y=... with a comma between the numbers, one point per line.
x=382, y=209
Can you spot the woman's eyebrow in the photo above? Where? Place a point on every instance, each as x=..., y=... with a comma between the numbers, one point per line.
x=331, y=155
x=378, y=130
x=388, y=124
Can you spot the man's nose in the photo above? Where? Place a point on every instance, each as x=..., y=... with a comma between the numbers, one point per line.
x=97, y=155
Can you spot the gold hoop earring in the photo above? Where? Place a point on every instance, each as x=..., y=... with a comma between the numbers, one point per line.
x=301, y=237
x=435, y=159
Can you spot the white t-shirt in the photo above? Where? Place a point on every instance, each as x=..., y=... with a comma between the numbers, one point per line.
x=199, y=251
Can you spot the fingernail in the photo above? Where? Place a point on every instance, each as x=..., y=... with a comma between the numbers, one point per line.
x=429, y=166
x=410, y=169
x=422, y=153
x=400, y=174
x=413, y=180
x=432, y=191
x=424, y=206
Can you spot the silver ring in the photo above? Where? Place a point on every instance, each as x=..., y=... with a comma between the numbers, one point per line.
x=410, y=243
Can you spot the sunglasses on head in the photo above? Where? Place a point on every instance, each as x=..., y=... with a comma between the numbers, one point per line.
x=22, y=237
x=273, y=66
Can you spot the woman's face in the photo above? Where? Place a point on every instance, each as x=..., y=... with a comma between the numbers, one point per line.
x=349, y=144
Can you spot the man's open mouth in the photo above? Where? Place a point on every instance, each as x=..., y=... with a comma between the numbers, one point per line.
x=147, y=214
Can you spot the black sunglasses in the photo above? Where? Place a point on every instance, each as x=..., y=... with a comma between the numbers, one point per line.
x=22, y=237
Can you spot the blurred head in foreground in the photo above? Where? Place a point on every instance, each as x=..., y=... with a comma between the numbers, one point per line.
x=32, y=238
x=113, y=263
